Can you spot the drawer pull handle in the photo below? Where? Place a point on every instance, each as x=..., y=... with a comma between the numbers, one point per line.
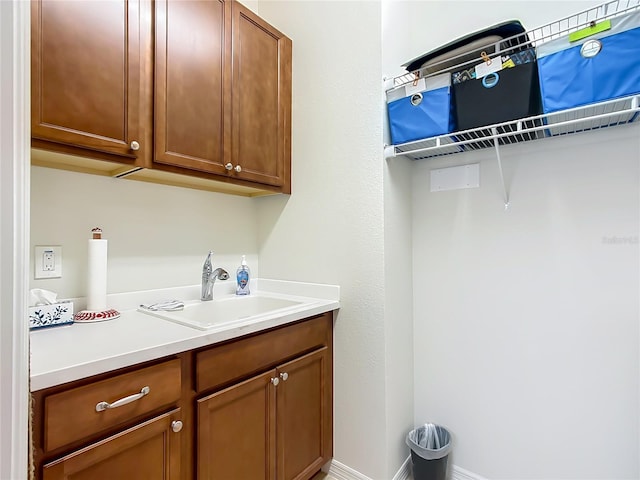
x=275, y=381
x=101, y=406
x=284, y=376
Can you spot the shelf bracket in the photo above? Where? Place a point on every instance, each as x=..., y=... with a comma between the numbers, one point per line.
x=389, y=152
x=505, y=193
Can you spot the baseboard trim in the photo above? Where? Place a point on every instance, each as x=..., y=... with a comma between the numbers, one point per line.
x=405, y=470
x=340, y=471
x=458, y=473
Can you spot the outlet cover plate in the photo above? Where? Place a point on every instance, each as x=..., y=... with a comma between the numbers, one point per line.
x=47, y=262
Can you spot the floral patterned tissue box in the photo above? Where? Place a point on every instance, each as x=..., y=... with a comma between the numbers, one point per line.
x=51, y=315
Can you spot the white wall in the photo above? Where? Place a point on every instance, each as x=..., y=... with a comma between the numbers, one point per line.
x=526, y=321
x=14, y=238
x=399, y=352
x=501, y=385
x=332, y=227
x=158, y=235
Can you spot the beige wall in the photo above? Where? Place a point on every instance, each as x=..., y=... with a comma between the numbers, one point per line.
x=332, y=228
x=158, y=235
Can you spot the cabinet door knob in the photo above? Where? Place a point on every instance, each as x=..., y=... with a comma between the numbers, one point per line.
x=135, y=145
x=275, y=381
x=176, y=426
x=284, y=376
x=229, y=166
x=238, y=168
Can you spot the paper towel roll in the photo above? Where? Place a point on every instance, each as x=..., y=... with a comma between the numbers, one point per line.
x=97, y=275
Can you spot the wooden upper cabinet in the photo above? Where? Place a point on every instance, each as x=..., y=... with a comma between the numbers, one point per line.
x=198, y=88
x=222, y=93
x=261, y=107
x=86, y=73
x=193, y=84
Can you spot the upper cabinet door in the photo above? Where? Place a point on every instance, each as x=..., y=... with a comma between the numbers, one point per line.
x=261, y=92
x=192, y=84
x=86, y=68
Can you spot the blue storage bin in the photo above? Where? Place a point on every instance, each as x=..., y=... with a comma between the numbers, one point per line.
x=414, y=115
x=597, y=68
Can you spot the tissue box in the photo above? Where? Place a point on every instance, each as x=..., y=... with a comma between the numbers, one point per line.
x=51, y=315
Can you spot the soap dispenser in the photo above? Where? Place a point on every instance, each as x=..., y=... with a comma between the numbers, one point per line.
x=243, y=275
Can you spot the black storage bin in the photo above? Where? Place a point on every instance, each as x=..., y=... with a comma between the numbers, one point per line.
x=509, y=94
x=505, y=35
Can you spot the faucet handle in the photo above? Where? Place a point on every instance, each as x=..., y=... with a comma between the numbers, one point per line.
x=207, y=268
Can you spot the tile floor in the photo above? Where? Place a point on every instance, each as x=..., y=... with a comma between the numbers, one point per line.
x=322, y=476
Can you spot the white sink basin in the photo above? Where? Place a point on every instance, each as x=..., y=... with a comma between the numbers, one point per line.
x=216, y=313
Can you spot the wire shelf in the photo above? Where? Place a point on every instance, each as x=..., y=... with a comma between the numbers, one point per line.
x=600, y=115
x=591, y=117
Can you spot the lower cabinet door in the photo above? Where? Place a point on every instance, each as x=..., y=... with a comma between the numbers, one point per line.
x=236, y=431
x=304, y=412
x=150, y=451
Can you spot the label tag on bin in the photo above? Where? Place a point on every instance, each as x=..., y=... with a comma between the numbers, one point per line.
x=420, y=86
x=484, y=69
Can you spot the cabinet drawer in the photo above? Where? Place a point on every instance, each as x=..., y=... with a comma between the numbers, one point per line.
x=148, y=450
x=73, y=414
x=233, y=361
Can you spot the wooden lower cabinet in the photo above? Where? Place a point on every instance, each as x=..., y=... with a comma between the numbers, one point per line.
x=237, y=431
x=304, y=416
x=276, y=425
x=150, y=451
x=258, y=407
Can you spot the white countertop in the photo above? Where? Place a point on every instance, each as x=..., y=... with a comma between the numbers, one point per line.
x=66, y=353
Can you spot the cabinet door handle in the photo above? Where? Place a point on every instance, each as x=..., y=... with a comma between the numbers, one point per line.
x=284, y=376
x=135, y=145
x=101, y=406
x=176, y=426
x=275, y=381
x=229, y=166
x=238, y=168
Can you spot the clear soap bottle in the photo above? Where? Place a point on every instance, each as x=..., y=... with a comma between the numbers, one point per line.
x=243, y=275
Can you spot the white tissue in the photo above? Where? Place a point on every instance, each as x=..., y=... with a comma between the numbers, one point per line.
x=38, y=296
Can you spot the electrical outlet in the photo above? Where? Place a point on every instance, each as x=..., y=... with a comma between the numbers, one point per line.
x=48, y=262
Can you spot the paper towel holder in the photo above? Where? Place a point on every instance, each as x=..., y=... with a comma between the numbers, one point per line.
x=99, y=314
